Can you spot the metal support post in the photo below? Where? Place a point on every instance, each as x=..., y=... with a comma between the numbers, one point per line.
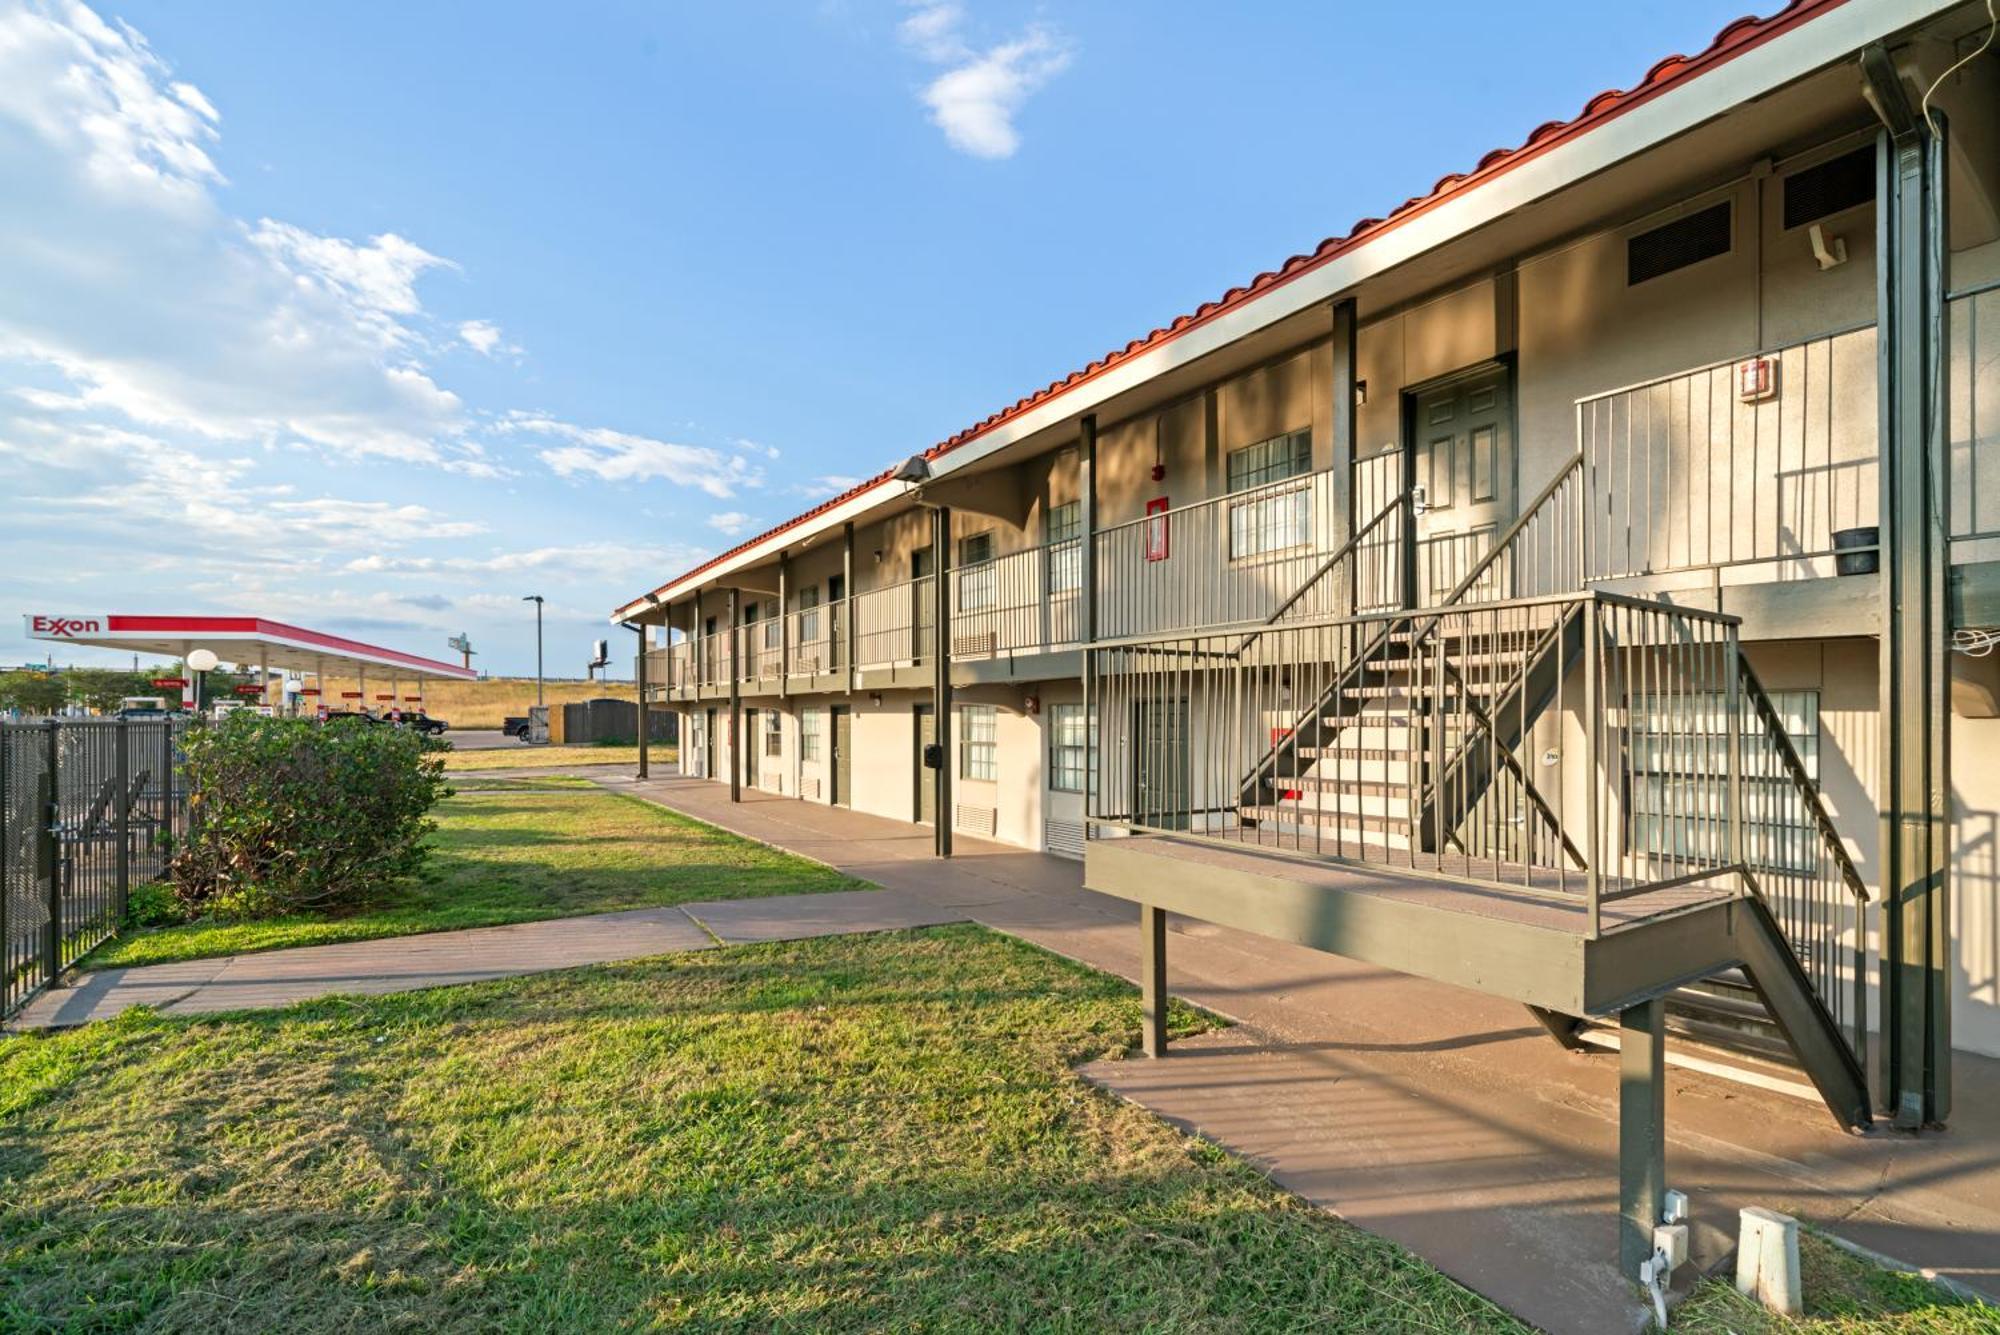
x=1642, y=1131
x=1911, y=281
x=735, y=699
x=645, y=706
x=48, y=807
x=122, y=732
x=941, y=674
x=1086, y=463
x=1153, y=980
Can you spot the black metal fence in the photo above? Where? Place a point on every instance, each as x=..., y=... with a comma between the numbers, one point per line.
x=88, y=809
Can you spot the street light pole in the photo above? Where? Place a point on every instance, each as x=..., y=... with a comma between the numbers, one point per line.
x=536, y=599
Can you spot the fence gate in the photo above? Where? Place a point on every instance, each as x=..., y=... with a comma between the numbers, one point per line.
x=88, y=808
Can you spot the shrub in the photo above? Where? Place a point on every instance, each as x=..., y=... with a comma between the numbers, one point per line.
x=291, y=816
x=153, y=904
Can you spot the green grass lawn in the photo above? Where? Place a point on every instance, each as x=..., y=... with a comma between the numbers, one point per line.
x=514, y=851
x=1845, y=1295
x=856, y=1133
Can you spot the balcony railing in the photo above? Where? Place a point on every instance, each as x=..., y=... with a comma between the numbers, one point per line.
x=1226, y=561
x=1027, y=602
x=1973, y=395
x=1754, y=462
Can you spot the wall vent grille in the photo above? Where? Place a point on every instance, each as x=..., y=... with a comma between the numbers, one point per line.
x=1064, y=838
x=1699, y=236
x=981, y=821
x=1828, y=188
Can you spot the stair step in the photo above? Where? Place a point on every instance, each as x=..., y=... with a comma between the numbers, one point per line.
x=1290, y=813
x=1391, y=802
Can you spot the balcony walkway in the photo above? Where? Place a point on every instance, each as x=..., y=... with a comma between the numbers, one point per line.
x=1440, y=1118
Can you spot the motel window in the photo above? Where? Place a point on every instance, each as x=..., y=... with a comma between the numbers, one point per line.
x=1066, y=547
x=975, y=572
x=1680, y=792
x=1071, y=741
x=774, y=733
x=811, y=725
x=1270, y=523
x=978, y=753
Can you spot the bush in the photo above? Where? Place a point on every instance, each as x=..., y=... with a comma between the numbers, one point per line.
x=153, y=904
x=291, y=816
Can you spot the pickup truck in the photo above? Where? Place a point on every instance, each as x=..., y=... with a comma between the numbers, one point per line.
x=422, y=722
x=515, y=725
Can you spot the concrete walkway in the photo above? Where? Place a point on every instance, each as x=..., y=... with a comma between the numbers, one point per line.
x=438, y=959
x=1441, y=1119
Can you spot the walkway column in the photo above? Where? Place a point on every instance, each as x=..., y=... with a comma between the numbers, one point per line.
x=1086, y=492
x=1642, y=1131
x=735, y=700
x=784, y=625
x=1343, y=390
x=941, y=674
x=645, y=708
x=847, y=594
x=1911, y=258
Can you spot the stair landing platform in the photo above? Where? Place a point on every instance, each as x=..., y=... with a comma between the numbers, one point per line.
x=1525, y=944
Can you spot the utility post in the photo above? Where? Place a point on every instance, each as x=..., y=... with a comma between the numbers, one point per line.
x=735, y=698
x=1344, y=391
x=536, y=599
x=1911, y=279
x=122, y=731
x=1086, y=467
x=941, y=674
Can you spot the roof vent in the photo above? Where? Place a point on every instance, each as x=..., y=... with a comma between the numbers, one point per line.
x=1828, y=188
x=1676, y=245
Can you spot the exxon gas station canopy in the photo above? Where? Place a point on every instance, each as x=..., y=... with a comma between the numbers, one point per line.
x=245, y=642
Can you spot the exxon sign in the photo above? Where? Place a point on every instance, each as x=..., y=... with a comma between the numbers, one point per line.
x=43, y=626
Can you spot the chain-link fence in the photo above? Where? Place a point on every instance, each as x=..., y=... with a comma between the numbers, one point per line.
x=88, y=809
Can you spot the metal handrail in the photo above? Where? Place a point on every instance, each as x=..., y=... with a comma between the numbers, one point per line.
x=1506, y=539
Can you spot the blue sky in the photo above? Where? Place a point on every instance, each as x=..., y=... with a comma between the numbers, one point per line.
x=375, y=317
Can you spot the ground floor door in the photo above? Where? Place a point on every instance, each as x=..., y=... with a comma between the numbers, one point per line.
x=1462, y=456
x=843, y=757
x=1161, y=768
x=926, y=731
x=708, y=745
x=751, y=742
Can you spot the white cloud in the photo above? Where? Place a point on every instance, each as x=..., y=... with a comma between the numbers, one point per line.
x=127, y=288
x=731, y=522
x=618, y=456
x=836, y=482
x=580, y=560
x=482, y=336
x=975, y=101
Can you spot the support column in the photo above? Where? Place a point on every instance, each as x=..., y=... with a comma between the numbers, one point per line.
x=645, y=705
x=847, y=596
x=735, y=701
x=1153, y=980
x=784, y=626
x=941, y=674
x=1642, y=1130
x=1911, y=258
x=1342, y=413
x=1086, y=465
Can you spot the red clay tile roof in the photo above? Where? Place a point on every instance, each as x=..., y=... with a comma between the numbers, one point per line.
x=1738, y=37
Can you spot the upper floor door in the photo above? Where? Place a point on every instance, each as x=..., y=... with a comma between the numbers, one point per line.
x=1463, y=433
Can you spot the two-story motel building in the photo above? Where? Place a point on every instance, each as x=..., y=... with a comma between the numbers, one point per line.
x=1549, y=587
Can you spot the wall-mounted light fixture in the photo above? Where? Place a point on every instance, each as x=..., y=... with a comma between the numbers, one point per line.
x=1032, y=705
x=874, y=697
x=1361, y=393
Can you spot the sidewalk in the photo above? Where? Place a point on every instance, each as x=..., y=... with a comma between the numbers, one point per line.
x=1441, y=1119
x=438, y=959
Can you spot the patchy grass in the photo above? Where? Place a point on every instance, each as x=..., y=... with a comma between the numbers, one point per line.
x=529, y=783
x=487, y=703
x=858, y=1133
x=539, y=757
x=1845, y=1295
x=515, y=853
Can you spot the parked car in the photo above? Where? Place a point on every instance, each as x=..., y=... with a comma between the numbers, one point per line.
x=142, y=707
x=422, y=722
x=516, y=725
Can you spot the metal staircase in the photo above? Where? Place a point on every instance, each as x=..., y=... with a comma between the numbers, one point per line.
x=1443, y=742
